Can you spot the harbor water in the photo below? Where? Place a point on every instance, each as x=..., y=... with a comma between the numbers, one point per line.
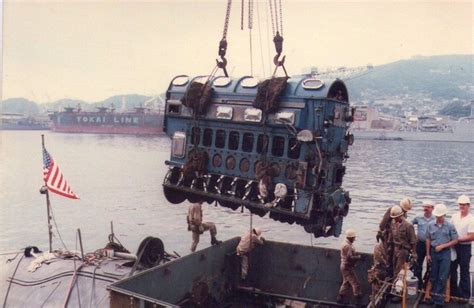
x=118, y=178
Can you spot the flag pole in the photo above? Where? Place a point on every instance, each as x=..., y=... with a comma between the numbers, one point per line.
x=44, y=190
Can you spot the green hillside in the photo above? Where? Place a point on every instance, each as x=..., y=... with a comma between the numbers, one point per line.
x=437, y=77
x=444, y=79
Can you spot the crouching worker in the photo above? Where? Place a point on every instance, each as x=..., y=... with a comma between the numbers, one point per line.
x=245, y=246
x=378, y=272
x=349, y=258
x=440, y=236
x=197, y=227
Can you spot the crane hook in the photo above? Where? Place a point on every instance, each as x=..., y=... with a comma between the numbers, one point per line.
x=222, y=63
x=278, y=40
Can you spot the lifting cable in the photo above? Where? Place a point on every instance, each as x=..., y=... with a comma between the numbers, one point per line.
x=57, y=229
x=251, y=239
x=260, y=40
x=250, y=26
x=10, y=282
x=222, y=63
x=72, y=283
x=200, y=98
x=277, y=29
x=242, y=15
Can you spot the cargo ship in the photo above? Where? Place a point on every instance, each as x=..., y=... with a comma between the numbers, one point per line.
x=18, y=121
x=369, y=124
x=140, y=121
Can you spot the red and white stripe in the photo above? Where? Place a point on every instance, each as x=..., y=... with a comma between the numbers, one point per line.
x=56, y=182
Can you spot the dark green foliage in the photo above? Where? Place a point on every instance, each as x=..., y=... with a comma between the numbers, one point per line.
x=456, y=109
x=19, y=105
x=439, y=77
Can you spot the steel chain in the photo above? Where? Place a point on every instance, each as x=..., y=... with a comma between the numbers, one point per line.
x=271, y=16
x=242, y=15
x=281, y=20
x=227, y=16
x=250, y=14
x=276, y=16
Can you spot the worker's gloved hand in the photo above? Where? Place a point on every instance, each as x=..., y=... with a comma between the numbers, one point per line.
x=379, y=236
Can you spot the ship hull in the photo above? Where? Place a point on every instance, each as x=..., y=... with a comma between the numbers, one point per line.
x=463, y=132
x=23, y=127
x=413, y=136
x=106, y=129
x=107, y=123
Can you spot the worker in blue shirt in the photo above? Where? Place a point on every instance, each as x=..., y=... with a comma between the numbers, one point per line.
x=440, y=236
x=422, y=222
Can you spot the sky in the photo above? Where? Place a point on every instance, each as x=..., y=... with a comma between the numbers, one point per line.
x=92, y=50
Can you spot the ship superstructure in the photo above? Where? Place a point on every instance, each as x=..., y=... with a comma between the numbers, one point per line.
x=370, y=124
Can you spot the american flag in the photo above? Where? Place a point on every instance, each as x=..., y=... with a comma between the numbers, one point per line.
x=54, y=178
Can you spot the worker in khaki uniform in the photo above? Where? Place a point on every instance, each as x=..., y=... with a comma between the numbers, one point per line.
x=385, y=231
x=404, y=239
x=245, y=246
x=349, y=258
x=378, y=272
x=197, y=227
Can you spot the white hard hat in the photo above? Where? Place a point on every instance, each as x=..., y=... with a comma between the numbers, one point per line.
x=405, y=204
x=396, y=211
x=463, y=199
x=428, y=203
x=280, y=190
x=440, y=210
x=350, y=233
x=257, y=231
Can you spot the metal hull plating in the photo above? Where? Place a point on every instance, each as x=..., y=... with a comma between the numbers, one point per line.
x=462, y=132
x=107, y=129
x=302, y=275
x=12, y=126
x=279, y=271
x=139, y=123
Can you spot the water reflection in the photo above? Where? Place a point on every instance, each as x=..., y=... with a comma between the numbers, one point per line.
x=119, y=178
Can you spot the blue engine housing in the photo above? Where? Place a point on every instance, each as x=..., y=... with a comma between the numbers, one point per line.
x=306, y=142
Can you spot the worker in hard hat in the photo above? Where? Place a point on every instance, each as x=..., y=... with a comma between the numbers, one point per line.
x=403, y=238
x=384, y=226
x=440, y=236
x=385, y=231
x=198, y=227
x=463, y=221
x=246, y=245
x=422, y=222
x=349, y=258
x=378, y=272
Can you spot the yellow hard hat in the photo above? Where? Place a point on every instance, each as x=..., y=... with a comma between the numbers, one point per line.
x=405, y=204
x=396, y=211
x=350, y=233
x=257, y=231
